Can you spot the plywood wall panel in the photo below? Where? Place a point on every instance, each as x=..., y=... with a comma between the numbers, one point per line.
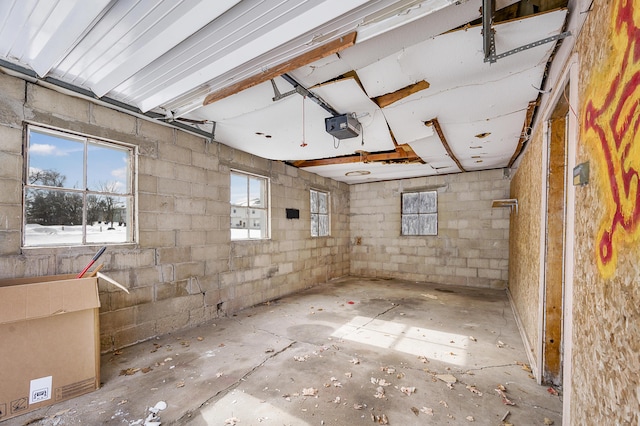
x=524, y=244
x=606, y=339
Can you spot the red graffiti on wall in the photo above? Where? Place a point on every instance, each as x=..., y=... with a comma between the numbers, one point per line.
x=616, y=123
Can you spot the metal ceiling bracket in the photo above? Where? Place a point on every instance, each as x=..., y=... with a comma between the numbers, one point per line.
x=299, y=88
x=213, y=132
x=494, y=57
x=277, y=95
x=488, y=41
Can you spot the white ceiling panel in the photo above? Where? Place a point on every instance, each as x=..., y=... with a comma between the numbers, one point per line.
x=433, y=152
x=276, y=132
x=254, y=99
x=367, y=51
x=322, y=70
x=377, y=171
x=454, y=58
x=464, y=104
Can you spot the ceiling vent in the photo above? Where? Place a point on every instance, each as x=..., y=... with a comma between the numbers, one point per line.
x=343, y=126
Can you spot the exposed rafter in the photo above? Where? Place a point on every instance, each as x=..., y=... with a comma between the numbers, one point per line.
x=316, y=54
x=399, y=155
x=524, y=136
x=389, y=98
x=436, y=126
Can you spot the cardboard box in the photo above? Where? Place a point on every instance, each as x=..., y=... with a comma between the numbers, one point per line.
x=49, y=341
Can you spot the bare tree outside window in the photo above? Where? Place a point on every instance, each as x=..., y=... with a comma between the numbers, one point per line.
x=77, y=190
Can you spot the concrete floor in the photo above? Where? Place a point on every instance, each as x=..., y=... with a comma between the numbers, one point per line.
x=352, y=351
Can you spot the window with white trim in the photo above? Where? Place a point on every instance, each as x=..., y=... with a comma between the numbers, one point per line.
x=319, y=213
x=249, y=206
x=420, y=213
x=78, y=190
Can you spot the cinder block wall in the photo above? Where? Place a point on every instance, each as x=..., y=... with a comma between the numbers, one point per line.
x=472, y=245
x=184, y=270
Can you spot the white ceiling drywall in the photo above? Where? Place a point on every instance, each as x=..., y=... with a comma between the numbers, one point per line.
x=164, y=58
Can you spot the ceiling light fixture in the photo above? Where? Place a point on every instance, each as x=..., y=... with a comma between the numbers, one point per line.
x=358, y=173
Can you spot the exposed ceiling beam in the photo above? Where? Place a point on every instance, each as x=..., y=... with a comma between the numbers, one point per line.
x=386, y=100
x=436, y=126
x=524, y=136
x=399, y=155
x=316, y=54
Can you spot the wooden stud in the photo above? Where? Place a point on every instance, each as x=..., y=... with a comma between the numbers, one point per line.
x=436, y=126
x=524, y=136
x=395, y=156
x=389, y=98
x=306, y=58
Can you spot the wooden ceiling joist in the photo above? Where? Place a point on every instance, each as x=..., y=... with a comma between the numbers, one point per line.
x=436, y=126
x=399, y=155
x=386, y=100
x=524, y=136
x=316, y=54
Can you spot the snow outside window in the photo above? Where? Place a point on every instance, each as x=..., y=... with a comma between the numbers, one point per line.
x=78, y=190
x=420, y=213
x=249, y=206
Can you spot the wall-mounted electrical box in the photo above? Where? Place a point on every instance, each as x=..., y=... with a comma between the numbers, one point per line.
x=581, y=174
x=342, y=126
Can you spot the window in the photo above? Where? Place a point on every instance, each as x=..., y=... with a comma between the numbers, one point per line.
x=78, y=190
x=249, y=206
x=420, y=213
x=319, y=213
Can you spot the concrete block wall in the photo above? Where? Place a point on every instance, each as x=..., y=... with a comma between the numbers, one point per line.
x=472, y=245
x=184, y=269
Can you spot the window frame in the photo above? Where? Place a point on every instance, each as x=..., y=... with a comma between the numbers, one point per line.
x=251, y=209
x=131, y=192
x=419, y=214
x=319, y=214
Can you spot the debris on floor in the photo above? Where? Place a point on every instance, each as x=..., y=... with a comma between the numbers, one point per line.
x=153, y=419
x=381, y=382
x=317, y=372
x=427, y=410
x=501, y=391
x=408, y=390
x=129, y=371
x=380, y=419
x=473, y=389
x=447, y=378
x=309, y=392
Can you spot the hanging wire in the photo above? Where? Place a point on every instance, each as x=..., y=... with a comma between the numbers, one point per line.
x=304, y=143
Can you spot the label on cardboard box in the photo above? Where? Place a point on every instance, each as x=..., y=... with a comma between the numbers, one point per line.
x=40, y=389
